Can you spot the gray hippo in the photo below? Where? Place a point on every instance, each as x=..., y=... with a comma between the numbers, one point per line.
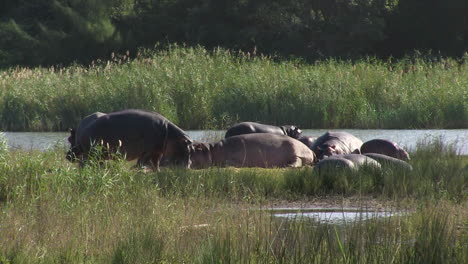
x=333, y=143
x=252, y=127
x=350, y=162
x=386, y=147
x=263, y=150
x=138, y=134
x=307, y=140
x=74, y=134
x=390, y=162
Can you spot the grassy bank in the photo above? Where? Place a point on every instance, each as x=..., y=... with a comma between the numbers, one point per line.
x=198, y=89
x=51, y=212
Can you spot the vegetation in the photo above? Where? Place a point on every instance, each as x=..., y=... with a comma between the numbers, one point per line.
x=198, y=89
x=54, y=32
x=52, y=211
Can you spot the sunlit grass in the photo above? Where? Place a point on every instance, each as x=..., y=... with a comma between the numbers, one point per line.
x=200, y=89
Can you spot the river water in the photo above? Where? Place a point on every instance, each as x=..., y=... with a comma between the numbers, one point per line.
x=406, y=138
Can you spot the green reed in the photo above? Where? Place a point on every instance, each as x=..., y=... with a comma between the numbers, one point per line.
x=200, y=89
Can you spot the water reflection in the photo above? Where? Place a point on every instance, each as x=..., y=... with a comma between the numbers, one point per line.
x=330, y=216
x=406, y=138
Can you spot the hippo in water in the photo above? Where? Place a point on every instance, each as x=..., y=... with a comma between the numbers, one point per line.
x=253, y=150
x=386, y=147
x=333, y=143
x=138, y=134
x=252, y=127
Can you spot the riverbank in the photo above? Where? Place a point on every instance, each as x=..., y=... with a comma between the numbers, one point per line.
x=200, y=89
x=52, y=211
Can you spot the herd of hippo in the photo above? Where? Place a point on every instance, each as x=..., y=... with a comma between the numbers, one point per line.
x=155, y=141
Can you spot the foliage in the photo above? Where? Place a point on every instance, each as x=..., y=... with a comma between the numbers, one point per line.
x=63, y=31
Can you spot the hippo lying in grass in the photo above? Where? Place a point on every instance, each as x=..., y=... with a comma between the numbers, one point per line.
x=386, y=147
x=390, y=162
x=350, y=162
x=333, y=143
x=137, y=134
x=263, y=150
x=252, y=127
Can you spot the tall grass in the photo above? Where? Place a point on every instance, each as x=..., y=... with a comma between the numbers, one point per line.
x=200, y=89
x=53, y=212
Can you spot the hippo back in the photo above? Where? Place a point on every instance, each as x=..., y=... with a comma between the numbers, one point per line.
x=260, y=150
x=386, y=147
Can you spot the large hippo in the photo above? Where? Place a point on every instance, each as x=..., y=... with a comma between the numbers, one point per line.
x=138, y=134
x=390, y=162
x=252, y=127
x=386, y=147
x=74, y=134
x=333, y=143
x=253, y=150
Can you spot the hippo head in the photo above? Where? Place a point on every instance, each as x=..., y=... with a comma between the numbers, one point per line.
x=326, y=151
x=402, y=154
x=292, y=131
x=178, y=152
x=73, y=153
x=200, y=156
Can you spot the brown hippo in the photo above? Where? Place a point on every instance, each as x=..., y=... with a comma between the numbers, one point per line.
x=252, y=127
x=333, y=143
x=390, y=162
x=307, y=140
x=138, y=134
x=253, y=150
x=386, y=147
x=74, y=134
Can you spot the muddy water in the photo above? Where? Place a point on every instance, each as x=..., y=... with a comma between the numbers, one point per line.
x=406, y=138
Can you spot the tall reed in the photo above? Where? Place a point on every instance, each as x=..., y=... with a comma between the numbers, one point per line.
x=200, y=89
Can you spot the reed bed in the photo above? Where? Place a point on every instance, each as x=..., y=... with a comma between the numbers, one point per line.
x=53, y=212
x=200, y=89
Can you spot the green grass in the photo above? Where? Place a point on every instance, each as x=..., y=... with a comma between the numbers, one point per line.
x=200, y=89
x=53, y=212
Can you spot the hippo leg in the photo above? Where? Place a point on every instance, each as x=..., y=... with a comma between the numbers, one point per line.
x=156, y=160
x=296, y=163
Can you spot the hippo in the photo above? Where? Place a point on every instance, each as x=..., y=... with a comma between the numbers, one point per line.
x=332, y=143
x=350, y=162
x=386, y=147
x=307, y=140
x=252, y=127
x=74, y=151
x=390, y=162
x=263, y=150
x=137, y=134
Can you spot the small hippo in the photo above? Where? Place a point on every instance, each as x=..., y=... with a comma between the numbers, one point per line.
x=333, y=143
x=138, y=134
x=307, y=140
x=347, y=161
x=386, y=147
x=263, y=150
x=253, y=127
x=390, y=162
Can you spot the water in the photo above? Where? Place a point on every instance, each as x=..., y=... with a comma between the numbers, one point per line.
x=330, y=215
x=406, y=138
